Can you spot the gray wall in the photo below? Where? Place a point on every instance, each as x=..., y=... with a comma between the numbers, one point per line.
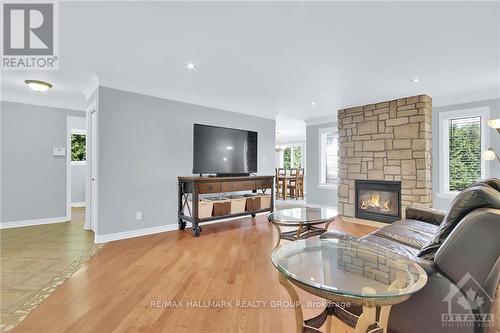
x=314, y=194
x=494, y=142
x=78, y=170
x=33, y=183
x=78, y=183
x=144, y=144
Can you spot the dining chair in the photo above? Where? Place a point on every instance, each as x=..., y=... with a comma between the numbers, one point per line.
x=280, y=172
x=297, y=184
x=292, y=183
x=301, y=175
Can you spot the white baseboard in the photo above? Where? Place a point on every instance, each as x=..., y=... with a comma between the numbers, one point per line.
x=153, y=230
x=27, y=223
x=134, y=233
x=78, y=204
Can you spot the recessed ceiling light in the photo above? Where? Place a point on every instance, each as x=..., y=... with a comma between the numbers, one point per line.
x=415, y=80
x=190, y=66
x=313, y=103
x=37, y=85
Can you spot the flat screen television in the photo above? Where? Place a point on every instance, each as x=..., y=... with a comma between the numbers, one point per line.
x=224, y=151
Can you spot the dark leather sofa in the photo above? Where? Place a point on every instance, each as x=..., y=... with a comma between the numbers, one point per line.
x=459, y=250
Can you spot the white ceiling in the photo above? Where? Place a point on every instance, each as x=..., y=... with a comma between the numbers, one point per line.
x=269, y=58
x=290, y=129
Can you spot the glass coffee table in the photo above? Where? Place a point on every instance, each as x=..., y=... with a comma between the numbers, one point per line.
x=305, y=220
x=346, y=272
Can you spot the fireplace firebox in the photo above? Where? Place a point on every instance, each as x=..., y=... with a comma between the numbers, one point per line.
x=378, y=200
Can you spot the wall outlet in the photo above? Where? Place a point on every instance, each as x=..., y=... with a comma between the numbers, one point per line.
x=138, y=216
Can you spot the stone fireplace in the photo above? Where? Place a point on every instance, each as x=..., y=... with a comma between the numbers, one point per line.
x=391, y=142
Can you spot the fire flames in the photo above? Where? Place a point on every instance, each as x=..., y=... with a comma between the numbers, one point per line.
x=375, y=203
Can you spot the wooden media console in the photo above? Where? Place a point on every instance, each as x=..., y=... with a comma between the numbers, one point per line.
x=190, y=189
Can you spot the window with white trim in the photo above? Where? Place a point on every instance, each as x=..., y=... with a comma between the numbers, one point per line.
x=462, y=138
x=329, y=146
x=291, y=156
x=78, y=146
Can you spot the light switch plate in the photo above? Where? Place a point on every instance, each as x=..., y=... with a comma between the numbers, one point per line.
x=59, y=151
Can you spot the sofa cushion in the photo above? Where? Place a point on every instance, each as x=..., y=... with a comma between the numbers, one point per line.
x=416, y=225
x=479, y=196
x=404, y=236
x=492, y=182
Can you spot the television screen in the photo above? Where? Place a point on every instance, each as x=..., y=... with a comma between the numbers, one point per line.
x=224, y=150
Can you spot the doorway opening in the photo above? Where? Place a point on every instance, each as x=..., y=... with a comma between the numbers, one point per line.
x=76, y=158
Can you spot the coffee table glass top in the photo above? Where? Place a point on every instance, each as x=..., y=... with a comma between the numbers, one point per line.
x=303, y=215
x=349, y=268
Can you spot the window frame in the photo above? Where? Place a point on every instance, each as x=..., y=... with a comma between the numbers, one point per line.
x=77, y=131
x=291, y=145
x=322, y=158
x=444, y=147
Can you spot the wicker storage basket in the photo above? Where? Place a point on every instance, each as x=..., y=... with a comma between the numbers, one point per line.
x=265, y=201
x=222, y=206
x=238, y=203
x=253, y=203
x=205, y=208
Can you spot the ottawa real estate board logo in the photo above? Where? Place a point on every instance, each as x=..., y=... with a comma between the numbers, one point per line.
x=466, y=304
x=30, y=36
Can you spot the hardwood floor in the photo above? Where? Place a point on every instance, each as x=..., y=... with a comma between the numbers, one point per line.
x=122, y=287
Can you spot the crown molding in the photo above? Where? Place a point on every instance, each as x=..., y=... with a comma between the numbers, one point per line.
x=43, y=100
x=91, y=86
x=322, y=120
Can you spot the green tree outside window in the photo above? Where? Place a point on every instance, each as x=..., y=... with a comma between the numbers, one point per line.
x=465, y=152
x=78, y=150
x=297, y=157
x=287, y=157
x=292, y=157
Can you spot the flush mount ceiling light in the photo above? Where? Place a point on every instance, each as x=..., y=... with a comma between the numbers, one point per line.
x=37, y=85
x=415, y=80
x=313, y=103
x=190, y=66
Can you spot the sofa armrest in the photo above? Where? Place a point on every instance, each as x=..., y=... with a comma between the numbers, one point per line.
x=429, y=215
x=474, y=244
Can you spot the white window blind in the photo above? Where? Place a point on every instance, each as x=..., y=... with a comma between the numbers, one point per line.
x=464, y=152
x=329, y=157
